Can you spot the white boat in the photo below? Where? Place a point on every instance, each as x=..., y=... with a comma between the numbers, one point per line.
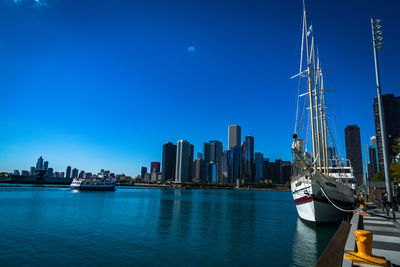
x=321, y=186
x=93, y=183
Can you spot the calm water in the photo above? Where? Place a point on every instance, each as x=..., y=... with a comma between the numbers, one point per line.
x=54, y=226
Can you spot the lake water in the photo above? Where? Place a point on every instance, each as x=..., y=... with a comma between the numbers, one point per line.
x=55, y=226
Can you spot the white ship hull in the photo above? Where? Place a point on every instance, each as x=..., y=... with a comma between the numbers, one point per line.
x=313, y=206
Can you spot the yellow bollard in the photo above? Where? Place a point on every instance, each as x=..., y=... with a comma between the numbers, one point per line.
x=364, y=246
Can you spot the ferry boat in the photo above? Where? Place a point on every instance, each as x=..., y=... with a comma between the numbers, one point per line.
x=322, y=190
x=93, y=183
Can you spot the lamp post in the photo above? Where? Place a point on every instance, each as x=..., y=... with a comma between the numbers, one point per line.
x=377, y=45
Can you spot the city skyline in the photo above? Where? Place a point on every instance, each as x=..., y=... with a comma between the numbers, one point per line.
x=109, y=87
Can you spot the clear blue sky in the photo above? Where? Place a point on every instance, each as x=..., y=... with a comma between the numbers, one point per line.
x=103, y=84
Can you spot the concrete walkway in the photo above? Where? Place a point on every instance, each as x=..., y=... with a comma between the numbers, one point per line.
x=386, y=235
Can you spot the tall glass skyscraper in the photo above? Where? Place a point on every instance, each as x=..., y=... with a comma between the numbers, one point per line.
x=168, y=161
x=182, y=170
x=39, y=164
x=353, y=150
x=249, y=159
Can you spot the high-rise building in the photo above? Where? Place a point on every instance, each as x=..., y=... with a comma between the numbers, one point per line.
x=234, y=136
x=32, y=171
x=391, y=112
x=155, y=167
x=373, y=161
x=235, y=158
x=62, y=174
x=216, y=152
x=68, y=172
x=198, y=170
x=39, y=164
x=143, y=172
x=353, y=150
x=45, y=165
x=259, y=166
x=207, y=160
x=207, y=152
x=249, y=172
x=182, y=169
x=25, y=173
x=200, y=155
x=191, y=154
x=75, y=172
x=16, y=172
x=81, y=174
x=168, y=161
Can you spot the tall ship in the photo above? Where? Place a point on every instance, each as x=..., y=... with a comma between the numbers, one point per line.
x=322, y=184
x=98, y=183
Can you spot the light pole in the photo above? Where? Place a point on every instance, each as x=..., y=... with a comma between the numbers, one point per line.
x=377, y=45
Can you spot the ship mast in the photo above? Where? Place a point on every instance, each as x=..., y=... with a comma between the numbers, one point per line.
x=310, y=90
x=316, y=105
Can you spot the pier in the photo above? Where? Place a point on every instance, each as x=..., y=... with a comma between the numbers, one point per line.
x=386, y=236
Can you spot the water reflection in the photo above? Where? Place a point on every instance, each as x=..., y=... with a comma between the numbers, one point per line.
x=310, y=241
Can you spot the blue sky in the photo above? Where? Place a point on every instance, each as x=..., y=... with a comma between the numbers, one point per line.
x=103, y=84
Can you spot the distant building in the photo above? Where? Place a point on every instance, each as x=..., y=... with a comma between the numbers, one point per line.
x=216, y=152
x=353, y=150
x=75, y=172
x=143, y=172
x=68, y=172
x=57, y=174
x=39, y=164
x=155, y=167
x=16, y=172
x=249, y=171
x=81, y=174
x=200, y=155
x=49, y=172
x=147, y=177
x=62, y=174
x=259, y=166
x=168, y=161
x=87, y=175
x=25, y=173
x=234, y=136
x=391, y=112
x=32, y=170
x=266, y=169
x=198, y=170
x=45, y=165
x=373, y=161
x=182, y=170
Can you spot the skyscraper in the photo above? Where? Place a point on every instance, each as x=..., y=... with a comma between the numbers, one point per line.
x=39, y=164
x=168, y=161
x=182, y=169
x=45, y=165
x=207, y=161
x=216, y=152
x=75, y=172
x=391, y=112
x=353, y=150
x=207, y=152
x=154, y=167
x=68, y=172
x=259, y=166
x=198, y=170
x=249, y=159
x=234, y=136
x=143, y=171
